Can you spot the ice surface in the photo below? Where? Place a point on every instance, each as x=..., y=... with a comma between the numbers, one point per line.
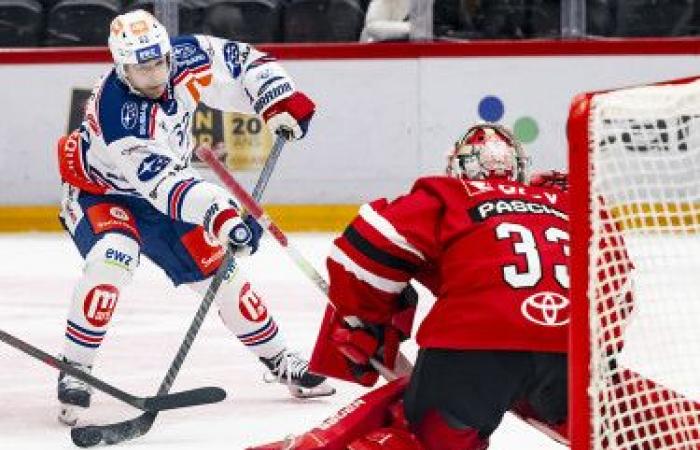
x=36, y=278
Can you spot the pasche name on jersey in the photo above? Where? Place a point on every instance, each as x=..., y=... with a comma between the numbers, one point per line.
x=496, y=207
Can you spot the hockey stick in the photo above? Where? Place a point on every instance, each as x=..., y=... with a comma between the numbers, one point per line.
x=403, y=365
x=182, y=399
x=93, y=435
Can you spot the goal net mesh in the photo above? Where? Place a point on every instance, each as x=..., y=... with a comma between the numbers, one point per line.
x=644, y=270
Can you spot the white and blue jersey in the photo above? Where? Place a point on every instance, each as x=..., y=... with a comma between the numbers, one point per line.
x=133, y=145
x=132, y=153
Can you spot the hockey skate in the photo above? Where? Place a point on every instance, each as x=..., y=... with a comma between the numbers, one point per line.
x=73, y=395
x=290, y=369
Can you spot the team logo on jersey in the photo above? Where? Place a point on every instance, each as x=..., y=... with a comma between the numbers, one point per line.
x=151, y=166
x=251, y=305
x=476, y=187
x=546, y=308
x=188, y=55
x=118, y=213
x=129, y=115
x=184, y=51
x=100, y=303
x=232, y=58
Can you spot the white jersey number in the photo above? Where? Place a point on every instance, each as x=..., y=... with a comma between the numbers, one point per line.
x=525, y=244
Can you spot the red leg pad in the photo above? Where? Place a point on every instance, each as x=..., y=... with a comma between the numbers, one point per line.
x=362, y=416
x=387, y=439
x=436, y=434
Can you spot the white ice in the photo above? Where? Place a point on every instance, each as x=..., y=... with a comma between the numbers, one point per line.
x=37, y=273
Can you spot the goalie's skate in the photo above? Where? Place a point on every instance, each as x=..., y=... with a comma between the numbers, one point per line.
x=291, y=370
x=73, y=395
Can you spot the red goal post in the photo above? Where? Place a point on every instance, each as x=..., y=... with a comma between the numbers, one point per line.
x=634, y=162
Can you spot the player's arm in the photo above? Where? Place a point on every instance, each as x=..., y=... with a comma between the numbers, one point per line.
x=178, y=191
x=370, y=266
x=250, y=80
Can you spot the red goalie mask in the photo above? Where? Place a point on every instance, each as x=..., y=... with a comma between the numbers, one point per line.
x=487, y=151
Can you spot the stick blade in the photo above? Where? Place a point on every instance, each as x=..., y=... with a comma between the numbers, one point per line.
x=192, y=397
x=93, y=435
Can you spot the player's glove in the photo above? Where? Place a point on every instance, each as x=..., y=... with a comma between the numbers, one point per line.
x=290, y=116
x=243, y=235
x=551, y=179
x=378, y=341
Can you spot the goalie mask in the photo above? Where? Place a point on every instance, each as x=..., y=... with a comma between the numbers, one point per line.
x=487, y=151
x=137, y=38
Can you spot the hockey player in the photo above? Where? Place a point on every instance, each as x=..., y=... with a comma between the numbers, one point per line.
x=493, y=249
x=129, y=190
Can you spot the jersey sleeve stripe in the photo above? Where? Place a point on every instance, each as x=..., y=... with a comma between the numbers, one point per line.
x=378, y=282
x=176, y=196
x=369, y=233
x=368, y=249
x=385, y=228
x=370, y=264
x=152, y=121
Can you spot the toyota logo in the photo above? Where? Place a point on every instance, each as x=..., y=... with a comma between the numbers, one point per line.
x=546, y=308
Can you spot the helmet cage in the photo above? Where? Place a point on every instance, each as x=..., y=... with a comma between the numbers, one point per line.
x=486, y=151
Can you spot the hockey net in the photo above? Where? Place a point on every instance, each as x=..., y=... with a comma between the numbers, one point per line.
x=635, y=331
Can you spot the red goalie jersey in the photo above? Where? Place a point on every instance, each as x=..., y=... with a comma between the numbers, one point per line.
x=494, y=253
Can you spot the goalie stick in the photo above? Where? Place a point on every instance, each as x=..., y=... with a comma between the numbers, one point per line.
x=402, y=366
x=192, y=397
x=92, y=435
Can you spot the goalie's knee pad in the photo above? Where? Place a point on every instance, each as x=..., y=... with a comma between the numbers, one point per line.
x=387, y=439
x=436, y=432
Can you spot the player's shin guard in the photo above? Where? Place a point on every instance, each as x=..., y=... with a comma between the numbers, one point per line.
x=437, y=433
x=108, y=268
x=243, y=312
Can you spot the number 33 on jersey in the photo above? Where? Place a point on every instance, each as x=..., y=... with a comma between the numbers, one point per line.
x=509, y=240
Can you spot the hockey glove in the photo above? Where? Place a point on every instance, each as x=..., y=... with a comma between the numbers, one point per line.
x=243, y=235
x=290, y=116
x=550, y=179
x=378, y=341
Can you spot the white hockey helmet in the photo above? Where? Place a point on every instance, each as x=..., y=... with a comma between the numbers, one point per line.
x=487, y=150
x=137, y=37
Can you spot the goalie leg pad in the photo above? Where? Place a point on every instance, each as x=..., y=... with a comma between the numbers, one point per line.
x=387, y=439
x=357, y=419
x=438, y=433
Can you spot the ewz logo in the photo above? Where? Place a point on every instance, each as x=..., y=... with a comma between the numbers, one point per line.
x=118, y=256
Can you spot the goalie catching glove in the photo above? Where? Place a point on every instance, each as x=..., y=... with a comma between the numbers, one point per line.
x=344, y=351
x=550, y=179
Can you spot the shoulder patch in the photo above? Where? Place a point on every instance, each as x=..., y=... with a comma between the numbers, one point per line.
x=129, y=114
x=188, y=54
x=232, y=58
x=122, y=113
